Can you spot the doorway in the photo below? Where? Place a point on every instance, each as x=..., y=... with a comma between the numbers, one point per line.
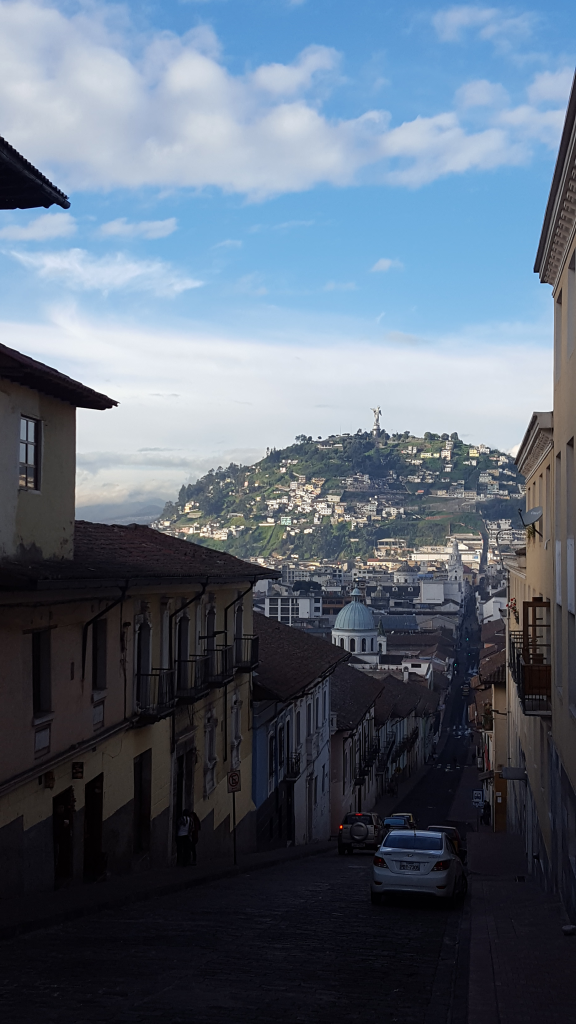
x=142, y=801
x=94, y=860
x=63, y=836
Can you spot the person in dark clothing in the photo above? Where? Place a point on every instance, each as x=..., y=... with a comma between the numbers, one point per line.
x=183, y=844
x=195, y=827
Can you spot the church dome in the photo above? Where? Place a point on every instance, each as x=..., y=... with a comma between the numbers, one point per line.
x=355, y=616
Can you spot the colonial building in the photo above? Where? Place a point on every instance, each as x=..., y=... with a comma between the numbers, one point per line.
x=125, y=676
x=354, y=743
x=291, y=734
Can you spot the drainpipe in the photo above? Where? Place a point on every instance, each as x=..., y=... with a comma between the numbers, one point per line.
x=235, y=601
x=95, y=619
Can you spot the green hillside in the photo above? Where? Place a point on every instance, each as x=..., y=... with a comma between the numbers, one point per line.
x=335, y=498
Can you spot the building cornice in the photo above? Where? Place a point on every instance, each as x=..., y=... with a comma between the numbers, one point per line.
x=537, y=443
x=560, y=217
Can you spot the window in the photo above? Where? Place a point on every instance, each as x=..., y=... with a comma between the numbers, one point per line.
x=281, y=745
x=41, y=672
x=288, y=743
x=315, y=790
x=29, y=478
x=236, y=731
x=182, y=651
x=341, y=641
x=308, y=719
x=324, y=702
x=323, y=778
x=372, y=643
x=99, y=652
x=558, y=337
x=317, y=712
x=271, y=757
x=298, y=730
x=352, y=645
x=363, y=644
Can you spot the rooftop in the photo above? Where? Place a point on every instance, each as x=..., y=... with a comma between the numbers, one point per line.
x=353, y=693
x=128, y=555
x=30, y=373
x=290, y=659
x=22, y=186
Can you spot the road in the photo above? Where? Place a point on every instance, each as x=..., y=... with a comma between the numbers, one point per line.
x=294, y=943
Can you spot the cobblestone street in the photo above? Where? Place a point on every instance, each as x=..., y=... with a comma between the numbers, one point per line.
x=300, y=942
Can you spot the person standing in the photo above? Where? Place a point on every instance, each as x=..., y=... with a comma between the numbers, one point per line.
x=183, y=841
x=195, y=827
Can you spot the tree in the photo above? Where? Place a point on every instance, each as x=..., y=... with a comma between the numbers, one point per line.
x=444, y=437
x=183, y=495
x=454, y=437
x=301, y=438
x=427, y=436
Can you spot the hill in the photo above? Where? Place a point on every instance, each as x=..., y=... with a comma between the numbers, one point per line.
x=335, y=498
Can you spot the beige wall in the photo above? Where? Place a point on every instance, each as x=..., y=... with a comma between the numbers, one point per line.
x=40, y=522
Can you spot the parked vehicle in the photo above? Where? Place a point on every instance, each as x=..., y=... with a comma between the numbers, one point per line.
x=417, y=862
x=454, y=835
x=410, y=819
x=396, y=821
x=360, y=831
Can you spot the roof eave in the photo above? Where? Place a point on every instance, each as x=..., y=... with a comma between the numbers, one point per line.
x=551, y=213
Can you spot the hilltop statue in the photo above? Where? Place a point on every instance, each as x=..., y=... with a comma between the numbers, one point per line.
x=376, y=428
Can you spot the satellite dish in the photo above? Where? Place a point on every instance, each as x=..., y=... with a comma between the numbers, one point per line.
x=531, y=516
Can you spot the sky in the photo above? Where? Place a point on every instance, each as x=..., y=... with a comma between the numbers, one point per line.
x=283, y=213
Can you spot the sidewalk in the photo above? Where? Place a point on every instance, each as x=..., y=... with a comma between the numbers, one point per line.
x=42, y=910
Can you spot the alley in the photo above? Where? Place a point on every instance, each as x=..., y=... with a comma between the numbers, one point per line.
x=296, y=942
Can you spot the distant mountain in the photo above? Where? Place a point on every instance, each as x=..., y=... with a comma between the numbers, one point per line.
x=335, y=498
x=121, y=514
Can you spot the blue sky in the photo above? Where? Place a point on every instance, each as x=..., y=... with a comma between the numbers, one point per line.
x=282, y=213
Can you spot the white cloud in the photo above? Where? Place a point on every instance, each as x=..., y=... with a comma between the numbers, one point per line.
x=96, y=108
x=340, y=286
x=47, y=225
x=228, y=243
x=141, y=229
x=482, y=93
x=79, y=270
x=287, y=79
x=551, y=86
x=510, y=365
x=492, y=24
x=385, y=264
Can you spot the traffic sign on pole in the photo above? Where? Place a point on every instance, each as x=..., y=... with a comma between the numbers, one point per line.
x=478, y=798
x=234, y=782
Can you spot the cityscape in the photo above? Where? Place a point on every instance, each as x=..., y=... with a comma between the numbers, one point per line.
x=288, y=726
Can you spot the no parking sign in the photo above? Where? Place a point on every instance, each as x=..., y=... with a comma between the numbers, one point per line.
x=234, y=782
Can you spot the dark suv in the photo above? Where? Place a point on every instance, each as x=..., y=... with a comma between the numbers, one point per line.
x=360, y=831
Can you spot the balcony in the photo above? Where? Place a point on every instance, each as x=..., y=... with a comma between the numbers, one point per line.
x=246, y=653
x=531, y=670
x=292, y=769
x=220, y=665
x=384, y=757
x=155, y=695
x=192, y=678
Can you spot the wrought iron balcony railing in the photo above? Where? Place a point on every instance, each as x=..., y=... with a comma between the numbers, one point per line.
x=292, y=768
x=155, y=697
x=531, y=670
x=246, y=653
x=192, y=678
x=220, y=665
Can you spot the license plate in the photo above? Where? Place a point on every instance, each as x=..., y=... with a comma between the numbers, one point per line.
x=405, y=865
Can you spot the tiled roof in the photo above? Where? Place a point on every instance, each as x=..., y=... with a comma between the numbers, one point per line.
x=22, y=186
x=30, y=373
x=490, y=629
x=130, y=555
x=290, y=659
x=397, y=699
x=353, y=693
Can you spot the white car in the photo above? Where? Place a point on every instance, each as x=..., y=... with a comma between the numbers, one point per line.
x=421, y=862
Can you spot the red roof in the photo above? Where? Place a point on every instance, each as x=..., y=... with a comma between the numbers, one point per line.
x=30, y=373
x=126, y=555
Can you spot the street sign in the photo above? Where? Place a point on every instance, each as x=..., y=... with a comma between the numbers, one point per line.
x=478, y=798
x=234, y=785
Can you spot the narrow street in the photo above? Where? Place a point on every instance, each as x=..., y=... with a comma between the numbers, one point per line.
x=295, y=942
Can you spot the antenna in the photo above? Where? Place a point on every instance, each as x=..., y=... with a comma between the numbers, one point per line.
x=531, y=517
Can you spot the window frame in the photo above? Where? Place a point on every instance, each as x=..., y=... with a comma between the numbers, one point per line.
x=36, y=445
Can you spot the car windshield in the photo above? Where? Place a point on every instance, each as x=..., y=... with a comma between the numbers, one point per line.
x=432, y=844
x=394, y=822
x=351, y=818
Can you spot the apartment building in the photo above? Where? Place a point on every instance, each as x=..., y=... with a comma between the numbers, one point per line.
x=541, y=684
x=126, y=664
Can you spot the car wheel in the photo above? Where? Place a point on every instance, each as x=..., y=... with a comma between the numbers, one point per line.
x=375, y=898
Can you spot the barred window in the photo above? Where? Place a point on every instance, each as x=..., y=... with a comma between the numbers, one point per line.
x=29, y=453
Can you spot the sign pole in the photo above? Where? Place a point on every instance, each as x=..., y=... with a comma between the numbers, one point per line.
x=234, y=786
x=234, y=824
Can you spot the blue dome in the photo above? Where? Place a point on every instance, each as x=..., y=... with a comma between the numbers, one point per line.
x=355, y=616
